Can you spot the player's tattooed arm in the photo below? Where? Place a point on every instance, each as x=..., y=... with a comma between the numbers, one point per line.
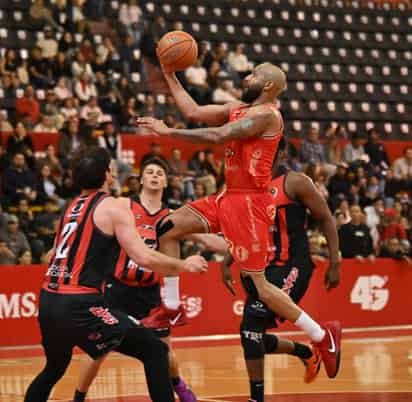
x=252, y=126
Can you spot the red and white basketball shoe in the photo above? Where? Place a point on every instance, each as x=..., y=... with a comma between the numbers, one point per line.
x=162, y=317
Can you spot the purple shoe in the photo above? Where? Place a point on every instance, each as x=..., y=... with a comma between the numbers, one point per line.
x=184, y=393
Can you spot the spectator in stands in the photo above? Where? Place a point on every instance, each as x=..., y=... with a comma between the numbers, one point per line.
x=21, y=142
x=8, y=90
x=131, y=17
x=354, y=151
x=155, y=152
x=239, y=61
x=173, y=194
x=4, y=159
x=3, y=218
x=374, y=189
x=28, y=106
x=23, y=73
x=402, y=169
x=374, y=214
x=45, y=224
x=41, y=15
x=196, y=78
x=171, y=108
x=25, y=258
x=47, y=187
x=312, y=150
x=62, y=90
x=80, y=66
x=198, y=165
x=61, y=67
x=67, y=189
x=333, y=150
x=112, y=141
x=46, y=125
x=51, y=160
x=151, y=108
x=9, y=63
x=40, y=70
x=91, y=113
x=178, y=167
x=69, y=109
x=7, y=256
x=339, y=185
x=133, y=184
x=355, y=239
x=125, y=89
x=5, y=125
x=151, y=37
x=69, y=141
x=126, y=55
x=392, y=248
x=14, y=238
x=343, y=211
x=25, y=216
x=106, y=54
x=84, y=88
x=51, y=108
x=391, y=228
x=76, y=20
x=103, y=86
x=225, y=91
x=111, y=104
x=127, y=118
x=320, y=184
x=67, y=45
x=48, y=45
x=376, y=151
x=18, y=181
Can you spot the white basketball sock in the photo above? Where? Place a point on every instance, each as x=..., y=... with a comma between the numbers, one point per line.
x=171, y=295
x=310, y=327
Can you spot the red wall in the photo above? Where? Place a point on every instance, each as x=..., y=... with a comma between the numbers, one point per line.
x=369, y=295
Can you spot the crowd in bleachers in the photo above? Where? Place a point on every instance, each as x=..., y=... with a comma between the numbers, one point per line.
x=87, y=92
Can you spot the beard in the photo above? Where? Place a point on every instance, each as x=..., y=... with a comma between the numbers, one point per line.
x=251, y=94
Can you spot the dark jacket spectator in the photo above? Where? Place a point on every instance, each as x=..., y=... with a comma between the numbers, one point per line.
x=22, y=143
x=14, y=238
x=18, y=181
x=354, y=237
x=375, y=150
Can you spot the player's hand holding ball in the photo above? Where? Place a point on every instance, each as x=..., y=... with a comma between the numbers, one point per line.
x=176, y=50
x=194, y=263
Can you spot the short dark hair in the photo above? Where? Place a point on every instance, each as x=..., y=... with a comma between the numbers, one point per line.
x=89, y=167
x=154, y=161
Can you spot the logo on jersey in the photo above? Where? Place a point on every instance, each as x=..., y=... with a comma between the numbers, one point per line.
x=241, y=253
x=271, y=212
x=289, y=282
x=369, y=292
x=104, y=314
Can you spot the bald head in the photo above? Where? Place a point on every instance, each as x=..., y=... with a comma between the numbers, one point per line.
x=272, y=73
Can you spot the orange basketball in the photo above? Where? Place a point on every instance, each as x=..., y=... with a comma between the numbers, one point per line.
x=177, y=50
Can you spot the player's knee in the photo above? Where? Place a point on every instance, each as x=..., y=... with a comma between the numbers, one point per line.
x=270, y=342
x=155, y=350
x=165, y=227
x=252, y=340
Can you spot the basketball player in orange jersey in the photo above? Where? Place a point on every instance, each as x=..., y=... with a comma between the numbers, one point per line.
x=290, y=270
x=134, y=289
x=72, y=311
x=245, y=211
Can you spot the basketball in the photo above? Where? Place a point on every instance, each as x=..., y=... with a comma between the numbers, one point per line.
x=177, y=50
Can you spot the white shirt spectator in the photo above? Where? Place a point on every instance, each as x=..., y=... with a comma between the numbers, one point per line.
x=68, y=113
x=42, y=128
x=239, y=62
x=402, y=167
x=62, y=92
x=129, y=14
x=196, y=75
x=88, y=113
x=78, y=69
x=352, y=154
x=48, y=47
x=84, y=91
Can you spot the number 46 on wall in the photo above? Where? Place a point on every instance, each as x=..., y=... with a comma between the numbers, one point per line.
x=369, y=293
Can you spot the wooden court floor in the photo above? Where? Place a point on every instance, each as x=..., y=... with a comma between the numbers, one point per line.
x=374, y=369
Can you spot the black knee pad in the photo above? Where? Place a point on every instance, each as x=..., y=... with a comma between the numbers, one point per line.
x=164, y=226
x=252, y=330
x=270, y=342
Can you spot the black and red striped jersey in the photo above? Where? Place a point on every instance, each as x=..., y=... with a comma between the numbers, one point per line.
x=291, y=245
x=126, y=270
x=83, y=255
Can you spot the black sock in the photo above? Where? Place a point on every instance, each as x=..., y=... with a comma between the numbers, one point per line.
x=257, y=390
x=175, y=381
x=79, y=396
x=302, y=351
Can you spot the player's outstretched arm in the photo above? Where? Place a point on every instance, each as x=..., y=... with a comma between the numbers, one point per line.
x=246, y=127
x=128, y=238
x=301, y=188
x=213, y=115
